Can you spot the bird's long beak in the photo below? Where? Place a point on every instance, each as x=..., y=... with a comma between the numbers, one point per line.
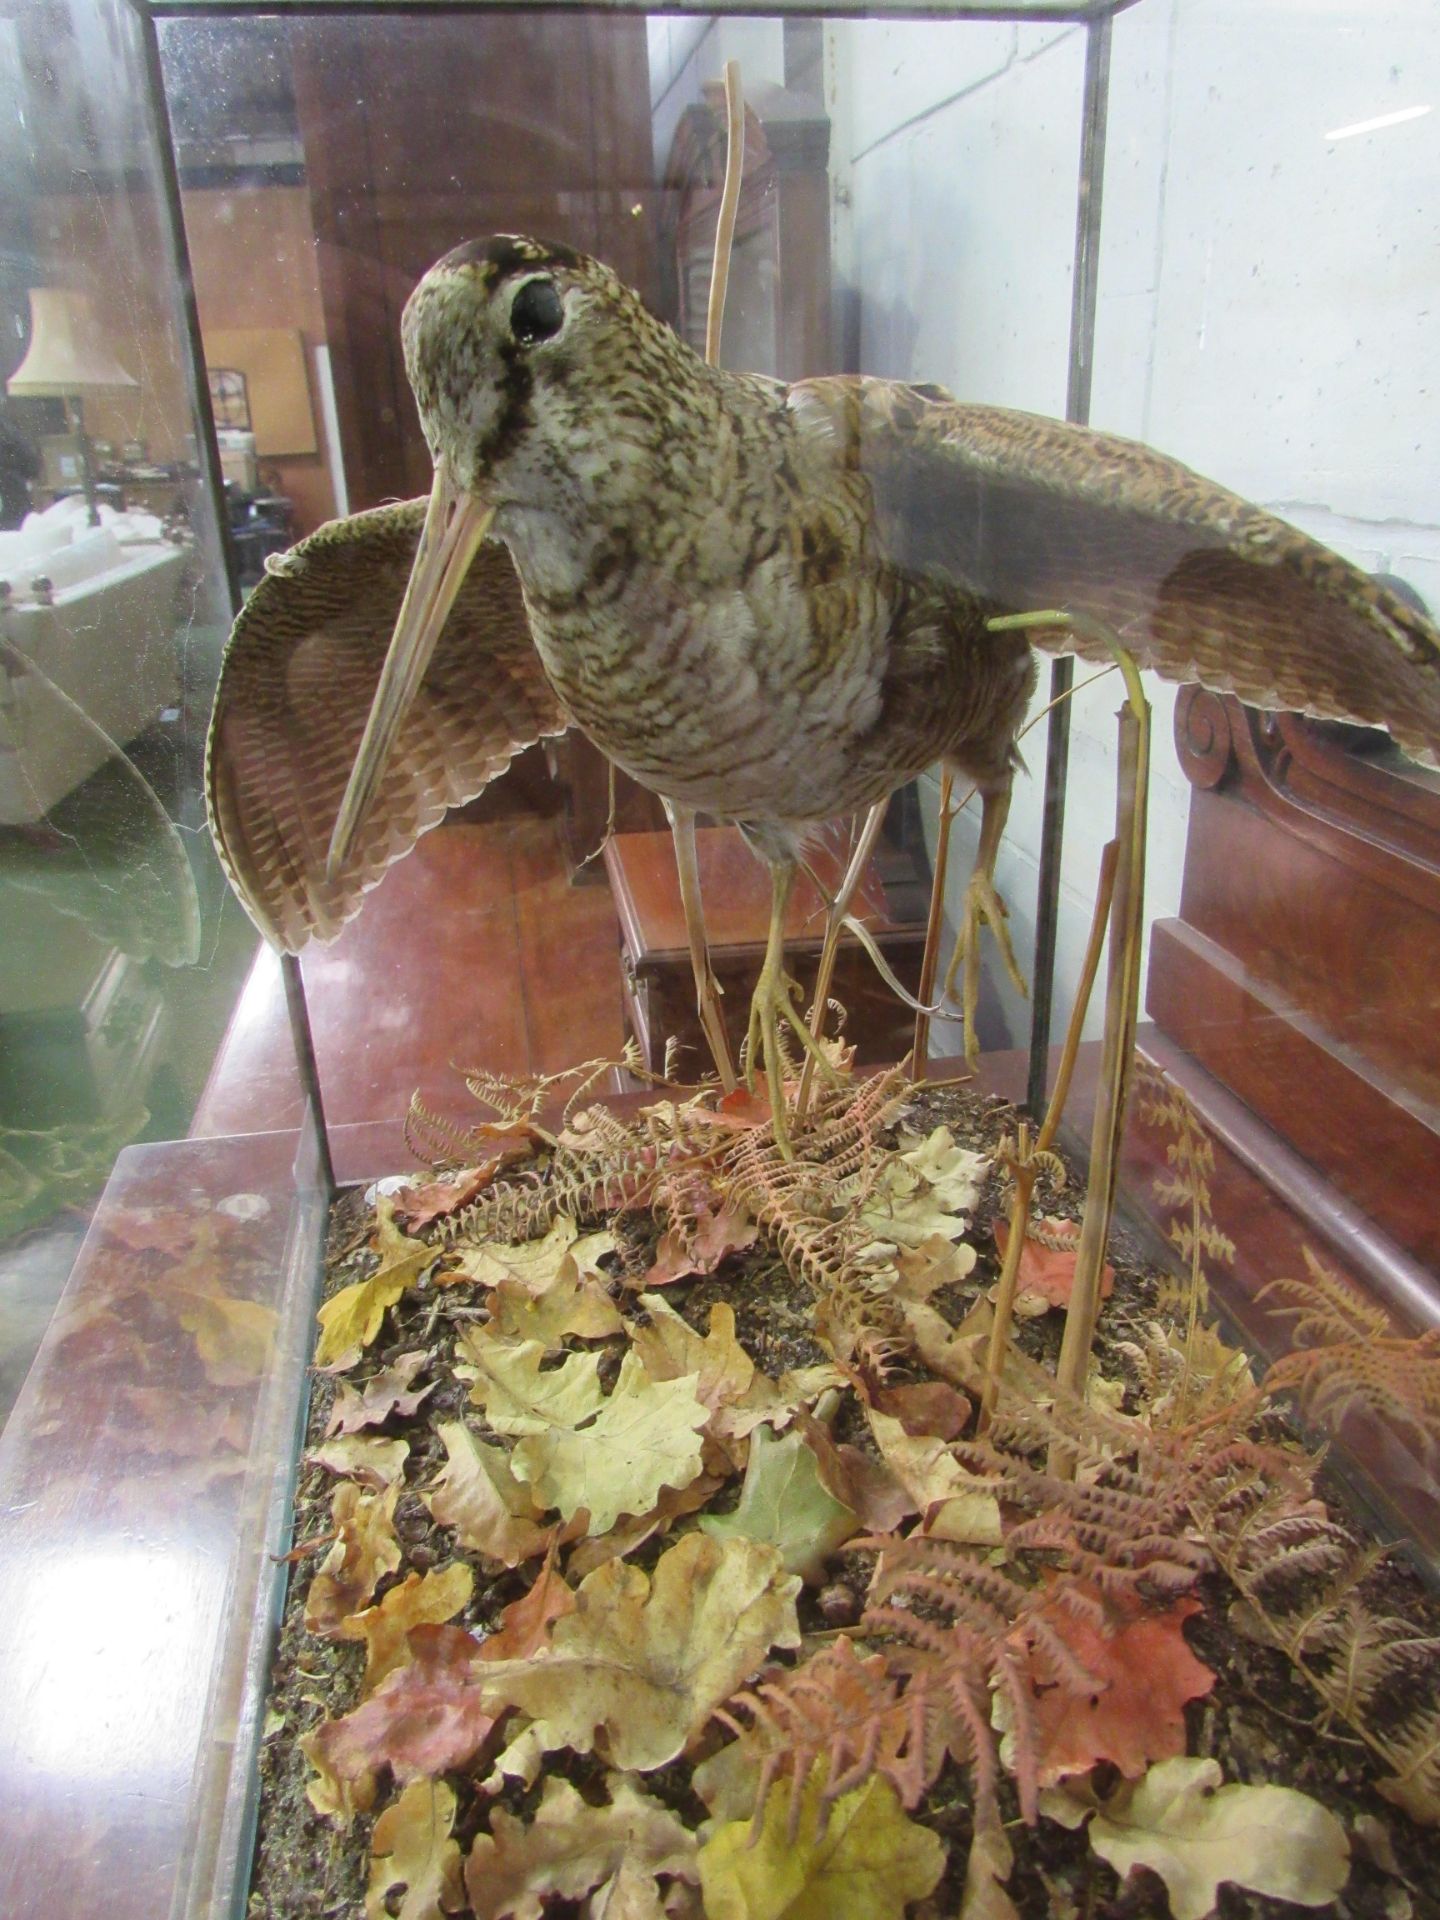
x=455, y=524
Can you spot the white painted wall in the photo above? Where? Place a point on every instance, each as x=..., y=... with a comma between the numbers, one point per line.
x=1269, y=295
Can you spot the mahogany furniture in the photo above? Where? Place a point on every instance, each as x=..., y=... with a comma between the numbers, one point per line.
x=1302, y=971
x=656, y=979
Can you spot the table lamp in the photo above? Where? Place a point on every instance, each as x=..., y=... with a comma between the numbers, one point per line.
x=68, y=359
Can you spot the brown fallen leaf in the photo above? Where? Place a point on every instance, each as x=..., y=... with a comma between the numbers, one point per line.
x=429, y=1715
x=423, y=1719
x=720, y=1230
x=924, y=1406
x=1144, y=1673
x=1047, y=1261
x=421, y=1599
x=365, y=1550
x=411, y=1847
x=390, y=1391
x=364, y=1457
x=954, y=1505
x=492, y=1512
x=645, y=1658
x=417, y=1207
x=869, y=1488
x=670, y=1348
x=573, y=1847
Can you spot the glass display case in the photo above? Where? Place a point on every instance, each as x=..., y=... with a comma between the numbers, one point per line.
x=1205, y=225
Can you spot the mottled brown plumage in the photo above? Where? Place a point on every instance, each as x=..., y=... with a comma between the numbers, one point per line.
x=767, y=602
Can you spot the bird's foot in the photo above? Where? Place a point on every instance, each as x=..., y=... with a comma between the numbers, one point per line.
x=983, y=907
x=772, y=1009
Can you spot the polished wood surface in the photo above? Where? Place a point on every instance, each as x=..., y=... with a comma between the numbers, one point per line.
x=1301, y=973
x=476, y=950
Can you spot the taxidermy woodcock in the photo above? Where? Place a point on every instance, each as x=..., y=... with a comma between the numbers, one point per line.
x=765, y=602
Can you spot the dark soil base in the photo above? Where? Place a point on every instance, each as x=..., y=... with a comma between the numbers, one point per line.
x=1261, y=1722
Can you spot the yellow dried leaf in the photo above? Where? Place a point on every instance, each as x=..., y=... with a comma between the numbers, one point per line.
x=365, y=1551
x=1184, y=1825
x=862, y=1859
x=420, y=1600
x=670, y=1347
x=572, y=1847
x=571, y=1306
x=935, y=1480
x=350, y=1320
x=477, y=1494
x=645, y=1436
x=533, y=1264
x=517, y=1396
x=364, y=1457
x=411, y=1848
x=645, y=1659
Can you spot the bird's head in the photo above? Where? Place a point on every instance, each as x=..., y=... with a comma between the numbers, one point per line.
x=522, y=356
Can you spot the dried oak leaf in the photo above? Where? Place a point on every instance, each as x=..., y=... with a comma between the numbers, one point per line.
x=644, y=1659
x=862, y=1859
x=955, y=1507
x=569, y=1305
x=670, y=1348
x=423, y=1719
x=517, y=1396
x=492, y=1513
x=632, y=1530
x=365, y=1551
x=362, y=1456
x=420, y=1600
x=719, y=1230
x=533, y=1264
x=430, y=1714
x=411, y=1847
x=784, y=1503
x=866, y=1486
x=644, y=1436
x=572, y=1848
x=1145, y=1673
x=350, y=1319
x=1184, y=1825
x=1048, y=1272
x=388, y=1392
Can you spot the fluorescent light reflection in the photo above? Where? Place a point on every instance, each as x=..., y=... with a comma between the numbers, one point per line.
x=118, y=1642
x=1380, y=121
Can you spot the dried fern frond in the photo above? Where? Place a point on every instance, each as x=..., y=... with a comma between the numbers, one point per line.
x=439, y=1141
x=1347, y=1355
x=849, y=1714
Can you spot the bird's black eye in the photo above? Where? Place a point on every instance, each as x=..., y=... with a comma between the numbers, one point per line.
x=536, y=312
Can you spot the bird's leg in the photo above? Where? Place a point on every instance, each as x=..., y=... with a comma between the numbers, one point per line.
x=825, y=971
x=773, y=1002
x=707, y=987
x=983, y=905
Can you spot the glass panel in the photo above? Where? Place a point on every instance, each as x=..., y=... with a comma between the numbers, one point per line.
x=122, y=951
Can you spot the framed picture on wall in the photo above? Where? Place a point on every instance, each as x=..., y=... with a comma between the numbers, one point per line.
x=229, y=398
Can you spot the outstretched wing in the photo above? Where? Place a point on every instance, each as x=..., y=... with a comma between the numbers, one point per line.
x=1199, y=584
x=296, y=685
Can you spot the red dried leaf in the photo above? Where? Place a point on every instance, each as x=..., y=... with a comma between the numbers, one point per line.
x=727, y=1229
x=1048, y=1272
x=1146, y=1673
x=422, y=1719
x=924, y=1407
x=389, y=1392
x=525, y=1624
x=417, y=1207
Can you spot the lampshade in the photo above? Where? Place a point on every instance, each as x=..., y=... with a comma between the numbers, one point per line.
x=67, y=354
